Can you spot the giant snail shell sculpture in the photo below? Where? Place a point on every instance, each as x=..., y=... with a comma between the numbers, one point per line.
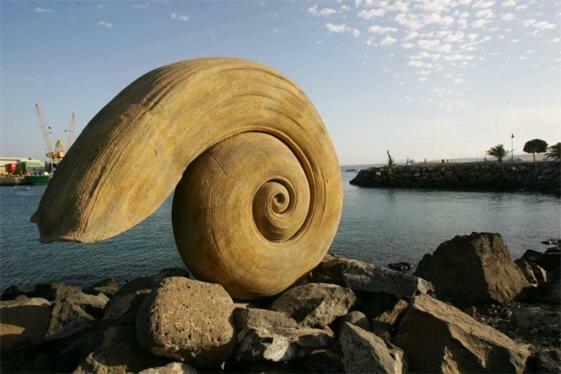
x=257, y=184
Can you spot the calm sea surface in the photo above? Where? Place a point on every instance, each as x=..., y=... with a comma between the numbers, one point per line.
x=379, y=225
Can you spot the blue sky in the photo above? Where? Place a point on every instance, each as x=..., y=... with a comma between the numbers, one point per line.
x=425, y=79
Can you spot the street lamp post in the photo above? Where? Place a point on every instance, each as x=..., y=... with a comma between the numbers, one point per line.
x=512, y=147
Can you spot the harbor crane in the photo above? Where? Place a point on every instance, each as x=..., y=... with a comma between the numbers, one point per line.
x=56, y=153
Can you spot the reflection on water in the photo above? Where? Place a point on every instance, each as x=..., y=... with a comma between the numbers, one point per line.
x=380, y=225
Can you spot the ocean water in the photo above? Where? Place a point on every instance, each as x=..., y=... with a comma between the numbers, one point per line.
x=378, y=225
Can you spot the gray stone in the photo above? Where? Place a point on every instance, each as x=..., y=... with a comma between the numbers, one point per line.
x=187, y=320
x=315, y=304
x=323, y=361
x=108, y=287
x=171, y=368
x=383, y=310
x=71, y=305
x=473, y=269
x=357, y=318
x=362, y=276
x=547, y=361
x=23, y=322
x=438, y=337
x=274, y=336
x=123, y=357
x=549, y=292
x=364, y=352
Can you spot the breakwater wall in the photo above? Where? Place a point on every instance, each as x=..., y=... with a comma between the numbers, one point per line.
x=482, y=176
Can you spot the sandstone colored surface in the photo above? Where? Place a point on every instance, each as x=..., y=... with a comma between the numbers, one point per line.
x=273, y=336
x=438, y=337
x=258, y=193
x=362, y=276
x=172, y=368
x=23, y=322
x=187, y=320
x=315, y=304
x=473, y=269
x=364, y=352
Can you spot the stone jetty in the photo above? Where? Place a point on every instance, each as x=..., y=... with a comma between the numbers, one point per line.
x=466, y=307
x=542, y=177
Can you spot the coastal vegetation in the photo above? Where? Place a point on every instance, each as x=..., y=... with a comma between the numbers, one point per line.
x=535, y=146
x=497, y=151
x=554, y=152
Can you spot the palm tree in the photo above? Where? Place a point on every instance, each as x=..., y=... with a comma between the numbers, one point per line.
x=497, y=151
x=554, y=152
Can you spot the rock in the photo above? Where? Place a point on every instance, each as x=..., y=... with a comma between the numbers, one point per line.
x=531, y=317
x=12, y=292
x=123, y=305
x=23, y=322
x=473, y=269
x=400, y=266
x=547, y=361
x=273, y=336
x=362, y=276
x=527, y=270
x=357, y=318
x=531, y=256
x=364, y=352
x=108, y=287
x=549, y=292
x=315, y=304
x=187, y=320
x=323, y=361
x=383, y=311
x=172, y=368
x=438, y=337
x=551, y=259
x=71, y=305
x=123, y=357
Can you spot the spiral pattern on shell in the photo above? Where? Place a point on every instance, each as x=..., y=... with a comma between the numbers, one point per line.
x=257, y=184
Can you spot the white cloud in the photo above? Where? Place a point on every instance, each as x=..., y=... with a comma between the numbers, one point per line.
x=380, y=30
x=428, y=44
x=388, y=40
x=43, y=10
x=481, y=4
x=544, y=25
x=179, y=17
x=325, y=12
x=411, y=35
x=485, y=13
x=371, y=13
x=507, y=17
x=342, y=28
x=107, y=25
x=509, y=3
x=407, y=45
x=345, y=8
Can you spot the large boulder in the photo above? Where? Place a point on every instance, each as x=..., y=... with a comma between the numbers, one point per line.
x=315, y=304
x=363, y=276
x=123, y=305
x=438, y=337
x=187, y=320
x=364, y=352
x=23, y=322
x=273, y=336
x=473, y=269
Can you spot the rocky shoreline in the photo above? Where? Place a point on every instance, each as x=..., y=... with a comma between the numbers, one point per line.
x=467, y=307
x=542, y=177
